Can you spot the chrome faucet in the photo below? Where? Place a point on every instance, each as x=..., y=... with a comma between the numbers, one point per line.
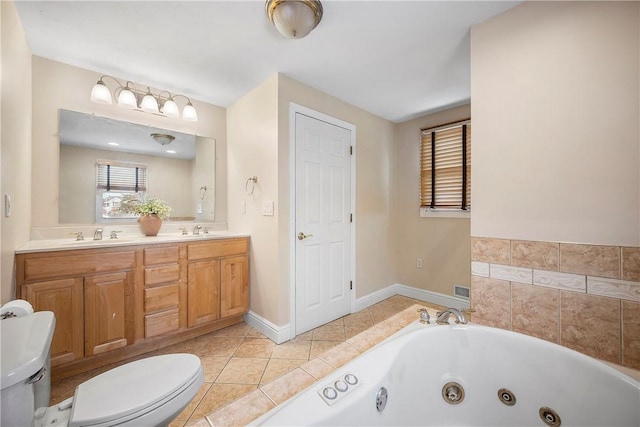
x=442, y=317
x=97, y=235
x=79, y=236
x=114, y=234
x=424, y=315
x=196, y=230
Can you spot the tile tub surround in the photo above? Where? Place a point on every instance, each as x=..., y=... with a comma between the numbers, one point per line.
x=247, y=374
x=585, y=297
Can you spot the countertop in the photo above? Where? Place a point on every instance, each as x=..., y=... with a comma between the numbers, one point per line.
x=69, y=244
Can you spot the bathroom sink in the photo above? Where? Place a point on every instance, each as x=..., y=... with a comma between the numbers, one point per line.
x=91, y=242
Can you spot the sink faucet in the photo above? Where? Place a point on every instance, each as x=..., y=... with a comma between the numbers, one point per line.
x=79, y=236
x=443, y=316
x=114, y=234
x=196, y=230
x=98, y=234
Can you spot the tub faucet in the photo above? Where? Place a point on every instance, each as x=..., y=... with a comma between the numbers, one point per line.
x=97, y=235
x=443, y=316
x=196, y=230
x=424, y=316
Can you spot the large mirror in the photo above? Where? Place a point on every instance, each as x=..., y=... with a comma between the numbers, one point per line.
x=170, y=165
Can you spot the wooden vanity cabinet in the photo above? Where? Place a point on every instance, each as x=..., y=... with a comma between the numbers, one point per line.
x=234, y=298
x=92, y=304
x=218, y=279
x=65, y=298
x=118, y=302
x=164, y=289
x=108, y=312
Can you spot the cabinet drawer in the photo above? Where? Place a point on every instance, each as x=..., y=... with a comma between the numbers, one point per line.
x=76, y=264
x=167, y=273
x=218, y=248
x=162, y=255
x=161, y=298
x=161, y=323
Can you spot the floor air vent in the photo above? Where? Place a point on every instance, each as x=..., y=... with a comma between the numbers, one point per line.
x=461, y=291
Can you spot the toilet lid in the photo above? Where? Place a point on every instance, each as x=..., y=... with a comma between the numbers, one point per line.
x=131, y=388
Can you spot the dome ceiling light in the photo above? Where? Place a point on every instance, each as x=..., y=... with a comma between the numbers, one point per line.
x=294, y=18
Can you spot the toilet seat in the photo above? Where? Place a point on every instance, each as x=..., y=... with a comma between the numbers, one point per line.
x=132, y=390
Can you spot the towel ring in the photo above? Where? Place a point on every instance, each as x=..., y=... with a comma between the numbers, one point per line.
x=253, y=180
x=203, y=192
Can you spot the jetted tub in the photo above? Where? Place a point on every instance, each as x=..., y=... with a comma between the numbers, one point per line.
x=465, y=375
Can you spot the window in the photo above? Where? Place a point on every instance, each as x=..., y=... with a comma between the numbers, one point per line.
x=445, y=167
x=115, y=181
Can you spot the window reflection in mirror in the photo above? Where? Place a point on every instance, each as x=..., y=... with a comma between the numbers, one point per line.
x=177, y=167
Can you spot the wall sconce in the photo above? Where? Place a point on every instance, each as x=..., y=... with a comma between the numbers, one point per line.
x=135, y=99
x=294, y=18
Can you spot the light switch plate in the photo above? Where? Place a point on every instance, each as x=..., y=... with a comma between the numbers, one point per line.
x=7, y=205
x=267, y=208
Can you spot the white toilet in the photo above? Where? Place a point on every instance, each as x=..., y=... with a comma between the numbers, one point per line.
x=147, y=392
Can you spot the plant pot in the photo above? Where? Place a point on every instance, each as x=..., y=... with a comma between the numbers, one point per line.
x=150, y=224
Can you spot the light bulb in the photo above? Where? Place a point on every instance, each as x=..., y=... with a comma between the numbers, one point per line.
x=170, y=108
x=100, y=93
x=189, y=113
x=127, y=99
x=149, y=103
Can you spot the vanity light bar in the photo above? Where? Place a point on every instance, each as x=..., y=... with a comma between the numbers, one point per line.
x=133, y=98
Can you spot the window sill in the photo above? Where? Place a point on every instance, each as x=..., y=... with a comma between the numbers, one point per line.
x=444, y=213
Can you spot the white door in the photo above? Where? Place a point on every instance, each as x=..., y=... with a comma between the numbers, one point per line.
x=322, y=222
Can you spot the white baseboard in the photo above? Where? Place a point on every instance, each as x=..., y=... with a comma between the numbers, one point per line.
x=375, y=297
x=407, y=291
x=431, y=297
x=280, y=334
x=277, y=334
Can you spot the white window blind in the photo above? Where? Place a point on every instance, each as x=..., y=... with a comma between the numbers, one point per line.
x=118, y=176
x=445, y=166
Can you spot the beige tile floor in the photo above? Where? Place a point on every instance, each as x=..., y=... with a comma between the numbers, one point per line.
x=248, y=373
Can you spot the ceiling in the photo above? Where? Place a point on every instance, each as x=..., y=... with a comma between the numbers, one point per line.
x=395, y=59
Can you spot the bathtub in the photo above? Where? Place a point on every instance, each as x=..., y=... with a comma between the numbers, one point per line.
x=465, y=375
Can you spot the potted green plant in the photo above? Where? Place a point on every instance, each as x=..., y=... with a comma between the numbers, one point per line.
x=152, y=211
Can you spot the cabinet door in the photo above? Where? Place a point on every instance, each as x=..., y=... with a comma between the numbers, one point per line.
x=64, y=298
x=107, y=312
x=203, y=281
x=234, y=298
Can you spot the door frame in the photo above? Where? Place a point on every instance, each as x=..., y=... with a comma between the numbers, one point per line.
x=299, y=109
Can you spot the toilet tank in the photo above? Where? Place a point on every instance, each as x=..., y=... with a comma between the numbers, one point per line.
x=25, y=348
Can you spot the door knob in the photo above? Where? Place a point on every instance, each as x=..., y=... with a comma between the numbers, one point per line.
x=302, y=236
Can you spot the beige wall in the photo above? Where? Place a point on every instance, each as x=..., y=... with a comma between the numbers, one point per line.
x=252, y=123
x=259, y=145
x=442, y=243
x=555, y=110
x=168, y=179
x=15, y=149
x=56, y=86
x=376, y=223
x=555, y=222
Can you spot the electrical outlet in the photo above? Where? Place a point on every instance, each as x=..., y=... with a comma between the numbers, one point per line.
x=419, y=263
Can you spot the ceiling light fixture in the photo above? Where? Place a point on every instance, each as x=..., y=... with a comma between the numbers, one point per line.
x=294, y=18
x=163, y=138
x=133, y=98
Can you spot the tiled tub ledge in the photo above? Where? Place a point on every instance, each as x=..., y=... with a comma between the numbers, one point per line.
x=276, y=392
x=269, y=395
